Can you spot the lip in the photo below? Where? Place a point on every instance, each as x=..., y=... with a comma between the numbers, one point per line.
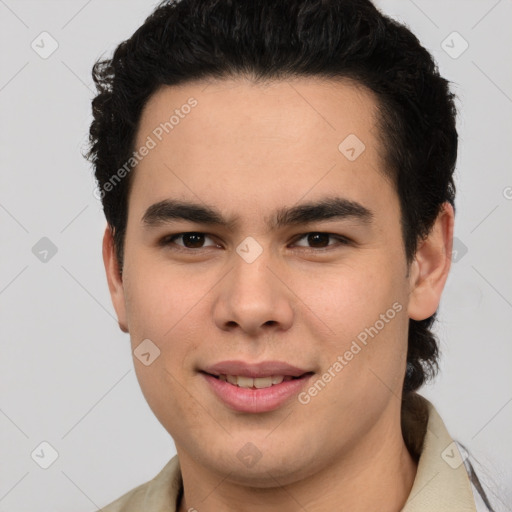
x=254, y=370
x=255, y=400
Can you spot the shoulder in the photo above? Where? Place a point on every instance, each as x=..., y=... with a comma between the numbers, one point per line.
x=159, y=493
x=441, y=482
x=130, y=501
x=446, y=476
x=485, y=489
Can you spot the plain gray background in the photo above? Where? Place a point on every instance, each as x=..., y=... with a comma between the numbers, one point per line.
x=66, y=370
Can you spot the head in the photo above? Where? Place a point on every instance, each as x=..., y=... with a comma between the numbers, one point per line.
x=250, y=109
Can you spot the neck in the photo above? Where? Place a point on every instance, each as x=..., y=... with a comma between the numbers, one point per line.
x=374, y=475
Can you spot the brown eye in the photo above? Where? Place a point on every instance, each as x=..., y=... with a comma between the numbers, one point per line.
x=193, y=240
x=190, y=240
x=317, y=240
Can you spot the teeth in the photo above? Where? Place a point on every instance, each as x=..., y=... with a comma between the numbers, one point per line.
x=258, y=383
x=277, y=379
x=245, y=382
x=263, y=382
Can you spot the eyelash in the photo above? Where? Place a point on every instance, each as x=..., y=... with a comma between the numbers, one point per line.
x=168, y=240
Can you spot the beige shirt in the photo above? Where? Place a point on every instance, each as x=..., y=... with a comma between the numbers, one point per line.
x=441, y=484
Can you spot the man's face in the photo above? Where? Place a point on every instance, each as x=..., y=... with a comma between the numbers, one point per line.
x=259, y=290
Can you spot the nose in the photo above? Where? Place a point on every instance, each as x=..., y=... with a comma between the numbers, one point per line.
x=253, y=298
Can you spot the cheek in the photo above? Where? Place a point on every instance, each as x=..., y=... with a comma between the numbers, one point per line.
x=160, y=297
x=167, y=306
x=348, y=299
x=365, y=310
x=161, y=306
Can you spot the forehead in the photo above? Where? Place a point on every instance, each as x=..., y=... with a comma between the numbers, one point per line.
x=260, y=143
x=230, y=109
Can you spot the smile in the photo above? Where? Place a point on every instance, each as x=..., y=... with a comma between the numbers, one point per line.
x=255, y=394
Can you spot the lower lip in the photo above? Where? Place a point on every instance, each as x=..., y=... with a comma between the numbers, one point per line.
x=255, y=400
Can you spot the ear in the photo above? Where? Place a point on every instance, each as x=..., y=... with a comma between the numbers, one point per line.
x=429, y=270
x=114, y=279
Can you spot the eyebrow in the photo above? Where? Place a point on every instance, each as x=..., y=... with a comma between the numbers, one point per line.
x=329, y=208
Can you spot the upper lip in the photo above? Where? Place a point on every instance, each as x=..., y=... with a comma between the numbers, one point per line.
x=254, y=370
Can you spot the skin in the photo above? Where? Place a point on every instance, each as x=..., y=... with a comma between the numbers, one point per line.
x=248, y=149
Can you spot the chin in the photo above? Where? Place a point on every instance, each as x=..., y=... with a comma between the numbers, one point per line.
x=256, y=462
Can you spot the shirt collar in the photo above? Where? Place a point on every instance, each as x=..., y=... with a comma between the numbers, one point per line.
x=442, y=483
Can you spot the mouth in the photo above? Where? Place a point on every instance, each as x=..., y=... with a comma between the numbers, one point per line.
x=255, y=388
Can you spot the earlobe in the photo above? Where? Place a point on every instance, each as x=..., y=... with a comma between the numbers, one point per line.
x=114, y=279
x=431, y=266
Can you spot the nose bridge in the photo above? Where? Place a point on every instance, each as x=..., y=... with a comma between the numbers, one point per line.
x=251, y=296
x=251, y=279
